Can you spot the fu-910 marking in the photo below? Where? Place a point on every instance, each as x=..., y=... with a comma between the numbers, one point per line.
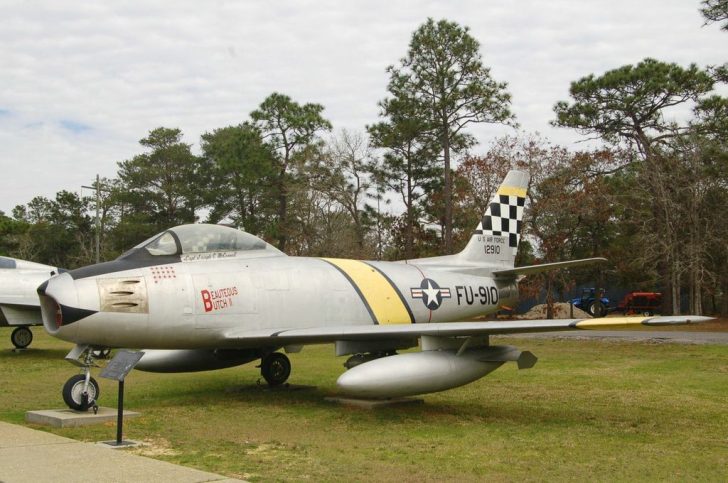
x=469, y=295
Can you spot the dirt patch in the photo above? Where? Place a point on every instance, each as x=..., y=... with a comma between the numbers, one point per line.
x=561, y=311
x=155, y=447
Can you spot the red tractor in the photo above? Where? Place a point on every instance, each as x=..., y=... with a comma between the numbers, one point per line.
x=645, y=303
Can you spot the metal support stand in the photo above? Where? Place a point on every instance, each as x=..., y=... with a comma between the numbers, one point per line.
x=120, y=413
x=118, y=368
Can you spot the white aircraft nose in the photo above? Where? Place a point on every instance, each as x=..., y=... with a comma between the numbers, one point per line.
x=59, y=304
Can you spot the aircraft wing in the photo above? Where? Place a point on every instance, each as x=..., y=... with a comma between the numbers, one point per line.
x=16, y=314
x=544, y=267
x=315, y=335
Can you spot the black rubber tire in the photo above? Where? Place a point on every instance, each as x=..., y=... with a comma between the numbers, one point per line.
x=275, y=368
x=597, y=309
x=72, y=393
x=590, y=309
x=21, y=337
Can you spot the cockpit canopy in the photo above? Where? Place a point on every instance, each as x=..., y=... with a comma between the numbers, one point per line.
x=201, y=238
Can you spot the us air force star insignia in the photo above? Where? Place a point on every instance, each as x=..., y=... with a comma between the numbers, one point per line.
x=430, y=293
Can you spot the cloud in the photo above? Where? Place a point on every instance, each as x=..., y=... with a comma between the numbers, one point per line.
x=112, y=71
x=74, y=126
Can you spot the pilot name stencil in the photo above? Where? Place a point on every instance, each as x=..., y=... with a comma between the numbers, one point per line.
x=218, y=299
x=194, y=257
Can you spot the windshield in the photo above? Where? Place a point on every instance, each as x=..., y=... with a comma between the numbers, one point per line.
x=164, y=245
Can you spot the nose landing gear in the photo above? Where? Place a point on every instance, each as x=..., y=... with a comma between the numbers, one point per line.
x=81, y=391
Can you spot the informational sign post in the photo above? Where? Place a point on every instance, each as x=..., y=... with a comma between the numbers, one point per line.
x=118, y=368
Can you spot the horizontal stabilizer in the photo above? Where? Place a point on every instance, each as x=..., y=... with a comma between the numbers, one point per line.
x=544, y=267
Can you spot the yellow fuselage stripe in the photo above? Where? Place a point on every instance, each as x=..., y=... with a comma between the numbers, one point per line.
x=384, y=301
x=512, y=191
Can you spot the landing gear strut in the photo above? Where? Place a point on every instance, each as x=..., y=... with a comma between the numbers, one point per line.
x=81, y=391
x=21, y=337
x=275, y=368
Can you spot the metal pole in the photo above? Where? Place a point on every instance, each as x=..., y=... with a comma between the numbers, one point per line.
x=98, y=219
x=120, y=413
x=98, y=216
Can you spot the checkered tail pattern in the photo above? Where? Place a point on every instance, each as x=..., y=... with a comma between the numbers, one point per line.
x=503, y=218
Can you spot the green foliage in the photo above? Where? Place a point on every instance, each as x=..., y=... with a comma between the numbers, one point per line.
x=712, y=117
x=291, y=130
x=629, y=103
x=409, y=166
x=55, y=232
x=243, y=173
x=715, y=11
x=442, y=82
x=664, y=234
x=444, y=76
x=288, y=126
x=163, y=187
x=11, y=233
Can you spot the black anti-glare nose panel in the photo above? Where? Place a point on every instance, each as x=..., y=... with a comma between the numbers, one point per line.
x=72, y=314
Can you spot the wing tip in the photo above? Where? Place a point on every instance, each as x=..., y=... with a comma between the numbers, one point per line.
x=676, y=320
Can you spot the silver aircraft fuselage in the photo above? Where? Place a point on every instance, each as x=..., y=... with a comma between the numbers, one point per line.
x=194, y=302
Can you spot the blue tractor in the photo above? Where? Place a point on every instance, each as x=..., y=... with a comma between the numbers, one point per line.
x=592, y=301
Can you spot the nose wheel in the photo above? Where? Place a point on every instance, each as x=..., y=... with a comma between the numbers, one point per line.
x=80, y=394
x=275, y=368
x=81, y=391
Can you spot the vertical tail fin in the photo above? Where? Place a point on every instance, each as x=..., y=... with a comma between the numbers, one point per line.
x=495, y=240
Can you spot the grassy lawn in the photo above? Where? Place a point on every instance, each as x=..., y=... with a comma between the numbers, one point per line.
x=588, y=410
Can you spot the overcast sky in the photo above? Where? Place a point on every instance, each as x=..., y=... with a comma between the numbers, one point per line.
x=82, y=82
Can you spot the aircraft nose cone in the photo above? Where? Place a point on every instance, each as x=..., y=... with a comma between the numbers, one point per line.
x=59, y=304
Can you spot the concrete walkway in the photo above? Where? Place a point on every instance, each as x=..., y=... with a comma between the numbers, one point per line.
x=28, y=455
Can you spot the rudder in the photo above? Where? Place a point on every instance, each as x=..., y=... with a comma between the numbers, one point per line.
x=495, y=240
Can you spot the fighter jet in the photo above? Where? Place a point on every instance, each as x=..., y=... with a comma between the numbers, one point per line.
x=201, y=297
x=19, y=305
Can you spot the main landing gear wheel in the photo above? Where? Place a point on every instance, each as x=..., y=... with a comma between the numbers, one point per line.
x=275, y=368
x=21, y=337
x=73, y=393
